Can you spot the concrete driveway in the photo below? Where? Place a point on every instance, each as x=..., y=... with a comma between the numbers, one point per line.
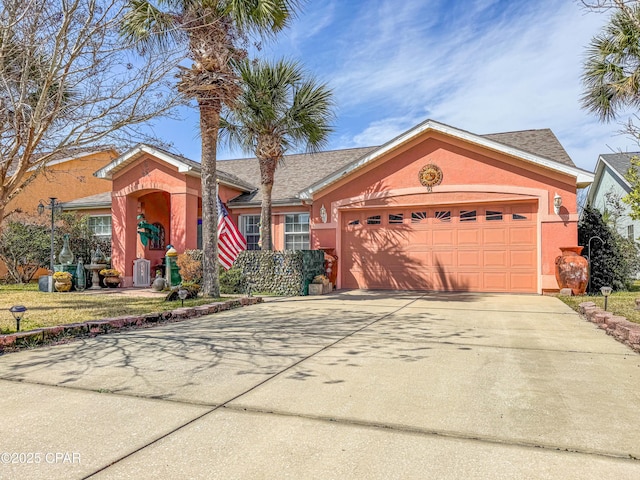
x=351, y=385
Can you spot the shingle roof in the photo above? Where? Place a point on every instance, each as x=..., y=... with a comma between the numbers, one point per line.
x=298, y=172
x=99, y=200
x=620, y=162
x=295, y=173
x=540, y=142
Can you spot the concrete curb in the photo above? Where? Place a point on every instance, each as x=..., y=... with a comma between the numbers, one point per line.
x=61, y=333
x=618, y=327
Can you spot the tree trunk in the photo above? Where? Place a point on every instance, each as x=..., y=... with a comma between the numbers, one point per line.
x=209, y=124
x=265, y=217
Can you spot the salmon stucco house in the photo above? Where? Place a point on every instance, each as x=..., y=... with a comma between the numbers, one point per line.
x=436, y=208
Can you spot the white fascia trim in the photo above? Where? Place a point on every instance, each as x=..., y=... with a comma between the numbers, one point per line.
x=582, y=176
x=257, y=205
x=126, y=157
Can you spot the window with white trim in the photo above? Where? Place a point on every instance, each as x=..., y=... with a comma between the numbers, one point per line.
x=630, y=234
x=100, y=226
x=250, y=229
x=296, y=231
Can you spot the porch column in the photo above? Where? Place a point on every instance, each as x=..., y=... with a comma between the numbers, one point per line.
x=184, y=221
x=124, y=210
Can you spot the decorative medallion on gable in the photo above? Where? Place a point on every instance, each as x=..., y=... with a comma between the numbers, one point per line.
x=430, y=175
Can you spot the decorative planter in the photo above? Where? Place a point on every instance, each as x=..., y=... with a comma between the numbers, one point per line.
x=62, y=286
x=315, y=289
x=572, y=270
x=159, y=283
x=112, y=282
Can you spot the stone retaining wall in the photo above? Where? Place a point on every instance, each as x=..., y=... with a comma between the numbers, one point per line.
x=618, y=327
x=60, y=333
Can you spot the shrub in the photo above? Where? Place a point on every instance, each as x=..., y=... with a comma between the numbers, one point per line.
x=614, y=259
x=24, y=248
x=191, y=288
x=190, y=265
x=232, y=281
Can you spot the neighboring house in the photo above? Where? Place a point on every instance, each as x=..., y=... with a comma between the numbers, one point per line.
x=67, y=177
x=609, y=187
x=436, y=208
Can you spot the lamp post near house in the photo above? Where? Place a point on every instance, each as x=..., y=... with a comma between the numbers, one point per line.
x=54, y=206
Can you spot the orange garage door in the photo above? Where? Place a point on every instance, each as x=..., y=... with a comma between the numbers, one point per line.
x=479, y=248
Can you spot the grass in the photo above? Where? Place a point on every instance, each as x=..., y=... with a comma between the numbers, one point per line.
x=50, y=309
x=619, y=303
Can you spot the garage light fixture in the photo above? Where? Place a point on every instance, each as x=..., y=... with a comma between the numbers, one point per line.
x=557, y=203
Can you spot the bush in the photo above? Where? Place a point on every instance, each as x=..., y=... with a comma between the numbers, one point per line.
x=191, y=288
x=232, y=281
x=614, y=259
x=190, y=265
x=24, y=247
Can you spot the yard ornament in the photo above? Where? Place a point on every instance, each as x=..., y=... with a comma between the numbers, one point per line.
x=146, y=230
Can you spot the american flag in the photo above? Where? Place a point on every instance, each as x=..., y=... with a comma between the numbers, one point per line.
x=230, y=240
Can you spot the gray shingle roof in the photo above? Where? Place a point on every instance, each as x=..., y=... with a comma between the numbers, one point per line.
x=541, y=142
x=295, y=173
x=620, y=162
x=99, y=200
x=298, y=172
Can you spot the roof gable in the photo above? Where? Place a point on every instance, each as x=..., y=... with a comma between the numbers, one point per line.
x=491, y=142
x=183, y=164
x=616, y=164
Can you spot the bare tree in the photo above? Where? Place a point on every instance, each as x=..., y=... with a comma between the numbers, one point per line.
x=68, y=79
x=626, y=7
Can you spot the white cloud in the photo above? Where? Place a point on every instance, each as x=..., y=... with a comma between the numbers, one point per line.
x=517, y=71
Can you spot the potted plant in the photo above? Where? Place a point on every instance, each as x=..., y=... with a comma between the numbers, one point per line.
x=62, y=281
x=111, y=277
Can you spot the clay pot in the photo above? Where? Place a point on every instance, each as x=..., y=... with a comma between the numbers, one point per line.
x=572, y=270
x=112, y=282
x=62, y=286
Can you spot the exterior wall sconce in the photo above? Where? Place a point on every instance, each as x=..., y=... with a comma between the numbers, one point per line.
x=557, y=203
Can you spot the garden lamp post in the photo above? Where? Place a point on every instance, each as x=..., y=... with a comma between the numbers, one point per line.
x=18, y=312
x=606, y=291
x=182, y=293
x=54, y=206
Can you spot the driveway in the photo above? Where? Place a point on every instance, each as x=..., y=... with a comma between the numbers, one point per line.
x=350, y=385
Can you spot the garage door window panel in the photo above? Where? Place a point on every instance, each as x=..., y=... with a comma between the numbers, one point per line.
x=468, y=215
x=493, y=216
x=374, y=220
x=419, y=217
x=396, y=218
x=443, y=216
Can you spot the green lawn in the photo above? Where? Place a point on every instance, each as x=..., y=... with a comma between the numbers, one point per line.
x=619, y=303
x=49, y=309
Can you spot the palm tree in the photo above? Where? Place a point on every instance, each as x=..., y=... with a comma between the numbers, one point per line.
x=611, y=75
x=280, y=108
x=214, y=34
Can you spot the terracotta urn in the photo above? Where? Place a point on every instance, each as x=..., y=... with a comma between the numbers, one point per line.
x=62, y=286
x=572, y=270
x=112, y=282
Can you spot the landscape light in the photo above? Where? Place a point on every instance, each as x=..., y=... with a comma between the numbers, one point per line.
x=18, y=312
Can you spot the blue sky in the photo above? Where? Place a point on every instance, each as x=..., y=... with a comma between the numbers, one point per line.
x=484, y=66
